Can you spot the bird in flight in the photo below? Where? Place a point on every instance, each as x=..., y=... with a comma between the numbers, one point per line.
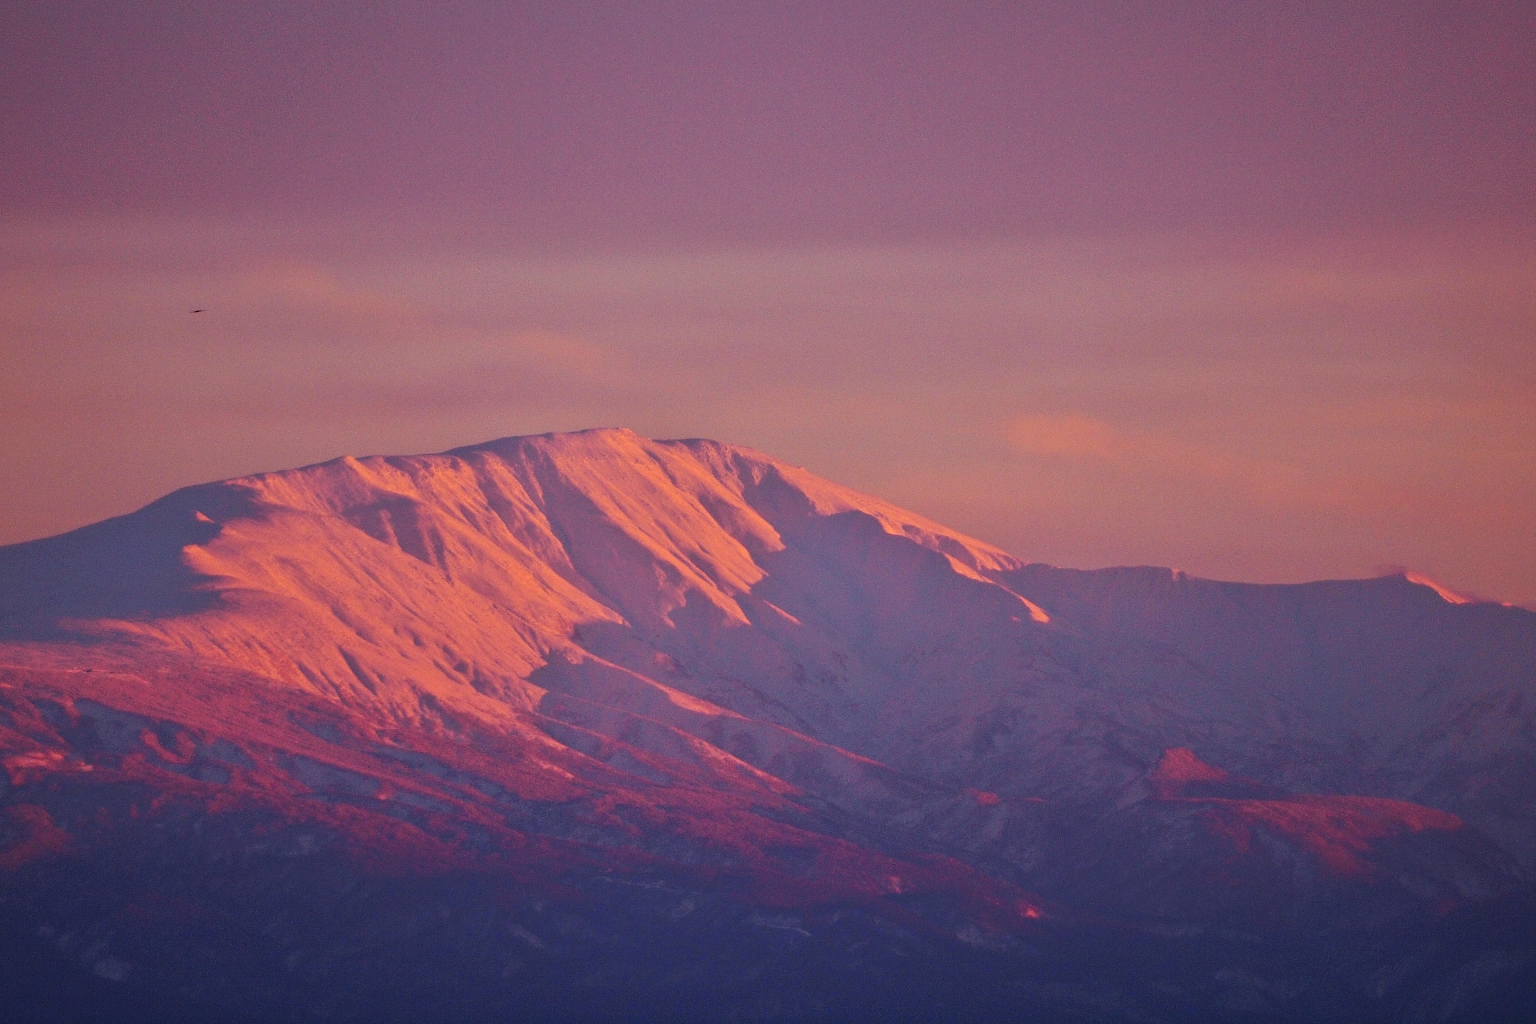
x=197, y=311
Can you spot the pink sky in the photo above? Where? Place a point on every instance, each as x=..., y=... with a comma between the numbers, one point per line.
x=1246, y=289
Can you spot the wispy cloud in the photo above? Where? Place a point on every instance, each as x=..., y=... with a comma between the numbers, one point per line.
x=1068, y=434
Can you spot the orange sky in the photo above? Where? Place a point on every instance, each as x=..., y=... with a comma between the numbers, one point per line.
x=1245, y=292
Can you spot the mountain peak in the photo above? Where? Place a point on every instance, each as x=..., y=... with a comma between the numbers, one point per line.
x=446, y=580
x=586, y=437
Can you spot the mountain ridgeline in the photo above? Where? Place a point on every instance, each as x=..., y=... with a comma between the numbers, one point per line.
x=589, y=726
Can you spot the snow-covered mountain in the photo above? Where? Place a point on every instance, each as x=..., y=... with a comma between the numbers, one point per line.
x=766, y=736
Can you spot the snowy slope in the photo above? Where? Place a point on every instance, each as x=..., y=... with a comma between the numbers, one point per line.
x=689, y=657
x=600, y=576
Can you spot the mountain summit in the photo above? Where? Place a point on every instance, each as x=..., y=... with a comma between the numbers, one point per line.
x=587, y=724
